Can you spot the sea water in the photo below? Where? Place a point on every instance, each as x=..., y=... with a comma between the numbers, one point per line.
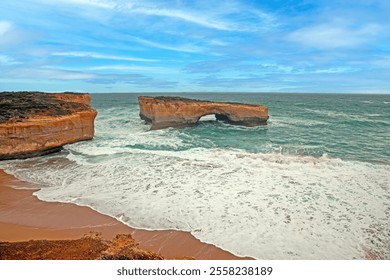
x=312, y=184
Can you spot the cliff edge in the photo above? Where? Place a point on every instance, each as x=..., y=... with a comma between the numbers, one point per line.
x=37, y=123
x=164, y=112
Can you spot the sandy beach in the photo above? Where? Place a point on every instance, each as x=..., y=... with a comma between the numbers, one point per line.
x=23, y=217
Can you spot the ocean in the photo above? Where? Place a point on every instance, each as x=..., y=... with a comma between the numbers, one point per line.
x=312, y=184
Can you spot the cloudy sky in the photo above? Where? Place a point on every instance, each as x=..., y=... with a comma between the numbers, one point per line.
x=201, y=45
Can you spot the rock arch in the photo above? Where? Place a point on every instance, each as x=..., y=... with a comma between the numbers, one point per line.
x=164, y=112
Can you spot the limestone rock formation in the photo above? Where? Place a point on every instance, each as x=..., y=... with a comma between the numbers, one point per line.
x=164, y=112
x=36, y=123
x=90, y=247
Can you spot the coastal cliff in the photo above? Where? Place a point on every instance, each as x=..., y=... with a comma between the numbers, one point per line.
x=164, y=112
x=36, y=123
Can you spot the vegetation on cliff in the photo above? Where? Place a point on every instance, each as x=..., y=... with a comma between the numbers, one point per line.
x=18, y=106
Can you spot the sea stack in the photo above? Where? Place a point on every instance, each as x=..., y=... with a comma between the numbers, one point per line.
x=37, y=123
x=163, y=112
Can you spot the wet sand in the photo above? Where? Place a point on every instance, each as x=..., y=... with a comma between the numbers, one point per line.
x=23, y=217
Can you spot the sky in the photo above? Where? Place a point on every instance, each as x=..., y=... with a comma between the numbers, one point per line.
x=323, y=46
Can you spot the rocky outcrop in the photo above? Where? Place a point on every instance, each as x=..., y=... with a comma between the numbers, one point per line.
x=164, y=112
x=90, y=247
x=36, y=123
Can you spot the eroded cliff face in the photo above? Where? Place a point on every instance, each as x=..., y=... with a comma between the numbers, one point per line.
x=164, y=112
x=35, y=123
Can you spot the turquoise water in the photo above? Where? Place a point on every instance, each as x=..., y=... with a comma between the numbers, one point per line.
x=353, y=127
x=312, y=184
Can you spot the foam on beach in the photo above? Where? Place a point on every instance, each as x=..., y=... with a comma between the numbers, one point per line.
x=268, y=206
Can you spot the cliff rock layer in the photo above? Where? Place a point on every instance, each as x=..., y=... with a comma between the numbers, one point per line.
x=36, y=123
x=164, y=112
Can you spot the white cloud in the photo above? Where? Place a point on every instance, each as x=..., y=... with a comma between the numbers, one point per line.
x=336, y=70
x=97, y=3
x=151, y=10
x=189, y=48
x=217, y=15
x=102, y=56
x=287, y=69
x=5, y=26
x=277, y=68
x=334, y=36
x=49, y=73
x=223, y=15
x=194, y=17
x=11, y=35
x=142, y=69
x=217, y=42
x=6, y=60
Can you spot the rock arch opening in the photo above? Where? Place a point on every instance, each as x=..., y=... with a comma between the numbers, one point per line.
x=208, y=118
x=214, y=117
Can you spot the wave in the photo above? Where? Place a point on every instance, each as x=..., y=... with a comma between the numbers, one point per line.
x=279, y=121
x=349, y=116
x=268, y=206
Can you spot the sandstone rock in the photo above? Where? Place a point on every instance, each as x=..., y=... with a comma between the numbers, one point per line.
x=36, y=123
x=164, y=112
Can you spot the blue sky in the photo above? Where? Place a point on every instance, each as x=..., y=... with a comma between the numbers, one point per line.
x=178, y=46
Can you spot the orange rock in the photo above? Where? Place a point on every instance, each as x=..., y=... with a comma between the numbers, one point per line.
x=52, y=121
x=72, y=97
x=164, y=112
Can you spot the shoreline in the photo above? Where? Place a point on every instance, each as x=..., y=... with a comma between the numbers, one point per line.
x=24, y=217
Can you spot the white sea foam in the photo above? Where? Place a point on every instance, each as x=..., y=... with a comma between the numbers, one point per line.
x=289, y=121
x=348, y=116
x=114, y=132
x=269, y=206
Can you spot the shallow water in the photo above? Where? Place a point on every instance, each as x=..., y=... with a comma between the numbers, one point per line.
x=312, y=184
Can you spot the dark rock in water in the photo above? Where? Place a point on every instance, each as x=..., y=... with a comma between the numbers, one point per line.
x=164, y=112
